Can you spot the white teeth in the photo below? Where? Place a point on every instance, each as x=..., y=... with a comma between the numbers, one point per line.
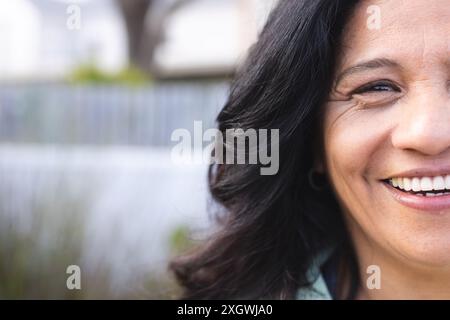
x=394, y=182
x=426, y=184
x=438, y=183
x=407, y=184
x=415, y=184
x=447, y=182
x=418, y=184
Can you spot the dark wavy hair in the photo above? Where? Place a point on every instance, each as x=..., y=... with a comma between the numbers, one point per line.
x=272, y=227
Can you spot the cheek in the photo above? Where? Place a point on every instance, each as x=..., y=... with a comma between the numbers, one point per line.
x=354, y=142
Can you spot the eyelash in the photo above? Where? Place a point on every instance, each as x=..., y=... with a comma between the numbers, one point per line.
x=370, y=87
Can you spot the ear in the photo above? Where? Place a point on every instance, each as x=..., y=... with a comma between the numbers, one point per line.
x=319, y=166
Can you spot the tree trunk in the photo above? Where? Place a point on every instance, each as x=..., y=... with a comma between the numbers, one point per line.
x=145, y=21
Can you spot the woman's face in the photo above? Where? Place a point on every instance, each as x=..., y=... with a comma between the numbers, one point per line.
x=388, y=116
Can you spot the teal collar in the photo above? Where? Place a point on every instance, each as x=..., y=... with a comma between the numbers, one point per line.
x=318, y=289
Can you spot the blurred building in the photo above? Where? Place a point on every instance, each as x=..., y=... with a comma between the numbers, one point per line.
x=20, y=32
x=202, y=38
x=37, y=44
x=100, y=40
x=210, y=37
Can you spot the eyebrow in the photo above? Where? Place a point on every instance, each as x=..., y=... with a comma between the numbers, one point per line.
x=367, y=65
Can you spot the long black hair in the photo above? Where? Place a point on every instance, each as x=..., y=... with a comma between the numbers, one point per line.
x=272, y=227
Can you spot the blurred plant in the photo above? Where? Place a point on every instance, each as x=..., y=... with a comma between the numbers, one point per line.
x=90, y=74
x=164, y=285
x=180, y=240
x=37, y=247
x=34, y=257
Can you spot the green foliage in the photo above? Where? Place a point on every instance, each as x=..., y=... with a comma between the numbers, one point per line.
x=90, y=74
x=34, y=258
x=179, y=240
x=33, y=261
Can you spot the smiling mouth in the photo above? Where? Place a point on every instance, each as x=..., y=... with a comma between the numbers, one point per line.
x=421, y=186
x=426, y=194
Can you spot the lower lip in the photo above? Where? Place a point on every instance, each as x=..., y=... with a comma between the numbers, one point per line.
x=436, y=203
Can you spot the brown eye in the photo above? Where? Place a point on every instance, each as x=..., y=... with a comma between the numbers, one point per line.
x=377, y=87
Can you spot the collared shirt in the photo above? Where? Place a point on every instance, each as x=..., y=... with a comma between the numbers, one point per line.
x=319, y=289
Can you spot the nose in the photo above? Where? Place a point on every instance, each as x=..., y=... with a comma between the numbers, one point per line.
x=423, y=124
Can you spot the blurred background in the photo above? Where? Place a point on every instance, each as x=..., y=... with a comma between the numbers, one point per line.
x=90, y=93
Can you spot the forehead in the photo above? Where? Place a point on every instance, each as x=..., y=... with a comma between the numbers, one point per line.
x=412, y=29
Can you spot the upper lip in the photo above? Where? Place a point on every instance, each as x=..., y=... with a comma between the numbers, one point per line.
x=430, y=171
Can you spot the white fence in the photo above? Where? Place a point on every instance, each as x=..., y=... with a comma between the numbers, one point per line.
x=106, y=115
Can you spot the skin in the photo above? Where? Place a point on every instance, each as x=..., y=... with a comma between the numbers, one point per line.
x=401, y=124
